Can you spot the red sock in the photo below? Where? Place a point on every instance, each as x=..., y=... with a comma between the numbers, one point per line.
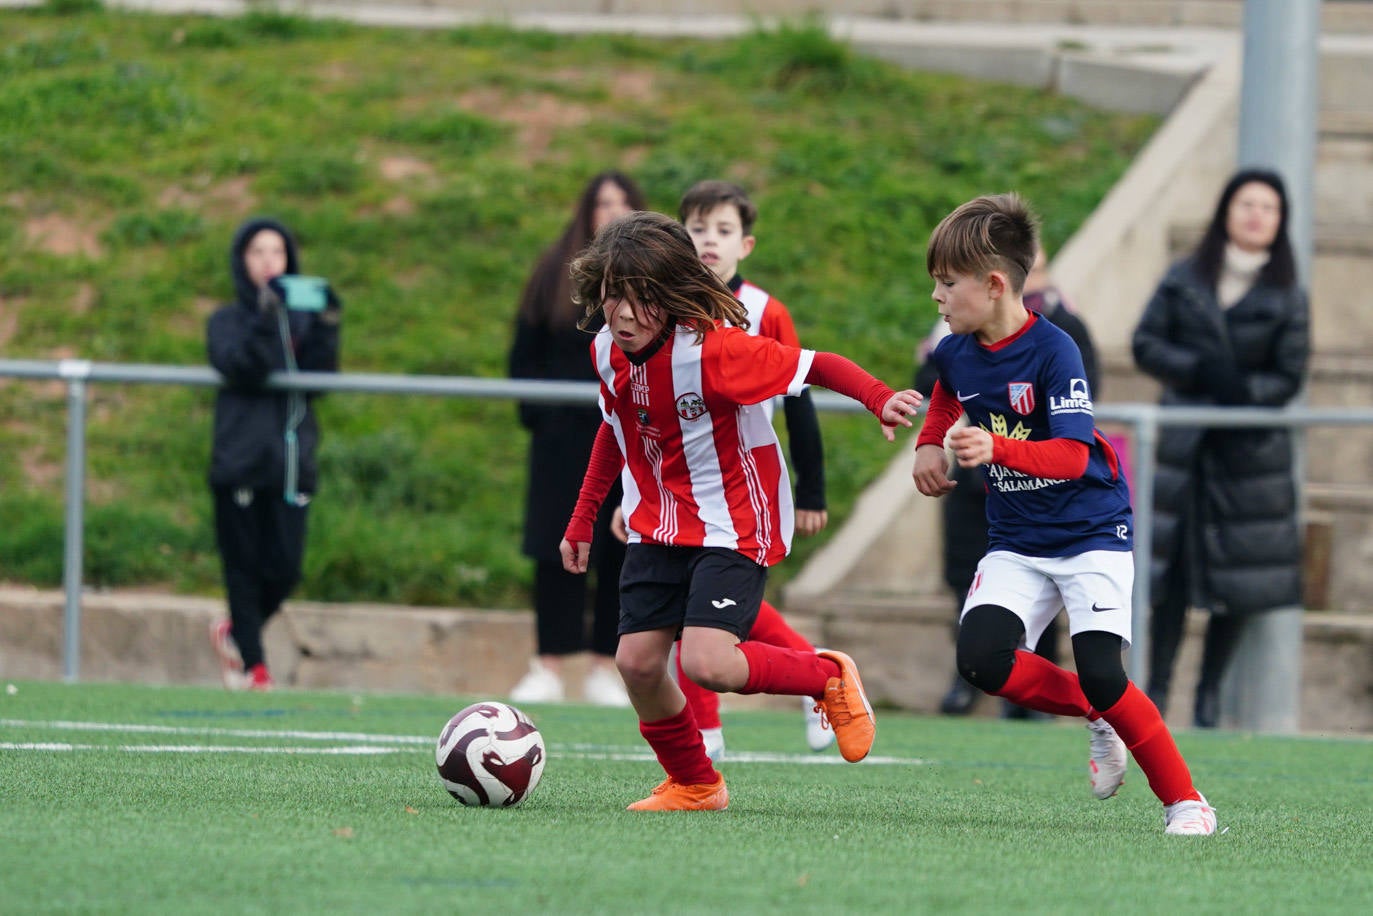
x=1136, y=719
x=704, y=704
x=785, y=672
x=770, y=628
x=1039, y=684
x=677, y=742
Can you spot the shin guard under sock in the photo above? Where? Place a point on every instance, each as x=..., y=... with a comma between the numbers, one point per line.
x=785, y=672
x=704, y=704
x=1136, y=719
x=677, y=743
x=770, y=628
x=1038, y=683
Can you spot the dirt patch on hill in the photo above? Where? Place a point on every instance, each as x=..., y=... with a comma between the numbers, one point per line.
x=59, y=234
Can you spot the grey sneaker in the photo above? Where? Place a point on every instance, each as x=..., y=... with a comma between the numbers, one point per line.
x=1106, y=765
x=1189, y=818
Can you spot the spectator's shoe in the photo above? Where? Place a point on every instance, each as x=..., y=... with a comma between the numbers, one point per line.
x=1206, y=712
x=1106, y=765
x=1189, y=818
x=714, y=740
x=846, y=708
x=257, y=678
x=540, y=685
x=230, y=664
x=603, y=687
x=960, y=698
x=818, y=737
x=671, y=795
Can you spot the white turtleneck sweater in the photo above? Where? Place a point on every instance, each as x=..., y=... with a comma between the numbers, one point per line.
x=1238, y=273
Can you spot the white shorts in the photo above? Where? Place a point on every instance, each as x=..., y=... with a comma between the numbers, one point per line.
x=1094, y=587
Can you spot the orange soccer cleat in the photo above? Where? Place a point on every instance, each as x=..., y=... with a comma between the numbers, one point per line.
x=671, y=795
x=846, y=707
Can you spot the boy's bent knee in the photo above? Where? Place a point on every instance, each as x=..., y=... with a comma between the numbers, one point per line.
x=1100, y=671
x=987, y=641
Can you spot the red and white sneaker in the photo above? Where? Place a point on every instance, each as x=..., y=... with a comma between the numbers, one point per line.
x=230, y=663
x=257, y=678
x=1107, y=760
x=1189, y=818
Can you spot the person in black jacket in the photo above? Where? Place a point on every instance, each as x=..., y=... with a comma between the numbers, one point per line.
x=965, y=508
x=262, y=463
x=1227, y=325
x=549, y=345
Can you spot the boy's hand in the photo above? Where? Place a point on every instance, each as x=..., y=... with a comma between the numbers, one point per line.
x=971, y=445
x=617, y=525
x=811, y=521
x=932, y=471
x=898, y=410
x=575, y=556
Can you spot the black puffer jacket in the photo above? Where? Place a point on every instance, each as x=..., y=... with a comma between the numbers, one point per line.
x=1228, y=494
x=245, y=345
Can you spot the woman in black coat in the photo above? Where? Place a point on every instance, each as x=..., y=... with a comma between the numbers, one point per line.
x=1227, y=325
x=549, y=345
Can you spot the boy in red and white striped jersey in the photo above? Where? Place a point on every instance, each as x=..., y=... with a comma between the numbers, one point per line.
x=706, y=496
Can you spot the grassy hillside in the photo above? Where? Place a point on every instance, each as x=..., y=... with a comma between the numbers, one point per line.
x=424, y=172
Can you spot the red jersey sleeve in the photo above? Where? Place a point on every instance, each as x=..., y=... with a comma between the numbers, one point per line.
x=1054, y=459
x=749, y=370
x=601, y=468
x=940, y=416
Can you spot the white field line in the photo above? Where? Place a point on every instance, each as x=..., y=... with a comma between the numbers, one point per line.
x=361, y=743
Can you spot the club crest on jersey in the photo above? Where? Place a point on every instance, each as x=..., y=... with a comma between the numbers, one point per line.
x=1022, y=397
x=1077, y=401
x=643, y=416
x=690, y=406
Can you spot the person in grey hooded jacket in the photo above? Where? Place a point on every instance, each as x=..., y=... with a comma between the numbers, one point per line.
x=262, y=463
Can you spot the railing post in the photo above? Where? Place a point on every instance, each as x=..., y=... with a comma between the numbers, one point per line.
x=75, y=371
x=1146, y=442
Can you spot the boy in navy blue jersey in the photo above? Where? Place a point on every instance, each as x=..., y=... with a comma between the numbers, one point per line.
x=1058, y=508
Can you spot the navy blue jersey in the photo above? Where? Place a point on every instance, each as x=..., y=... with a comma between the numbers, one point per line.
x=1032, y=386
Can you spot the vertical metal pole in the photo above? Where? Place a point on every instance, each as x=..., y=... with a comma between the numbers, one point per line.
x=1279, y=105
x=1146, y=446
x=75, y=372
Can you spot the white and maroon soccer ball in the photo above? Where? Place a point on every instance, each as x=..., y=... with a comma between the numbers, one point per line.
x=490, y=755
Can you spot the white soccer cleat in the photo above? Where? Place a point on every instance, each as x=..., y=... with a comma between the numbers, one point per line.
x=1106, y=765
x=818, y=735
x=603, y=687
x=1189, y=818
x=714, y=740
x=540, y=685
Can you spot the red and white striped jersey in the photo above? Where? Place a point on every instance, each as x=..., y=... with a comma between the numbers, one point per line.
x=703, y=467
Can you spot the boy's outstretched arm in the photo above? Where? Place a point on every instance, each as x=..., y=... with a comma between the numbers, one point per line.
x=601, y=468
x=841, y=374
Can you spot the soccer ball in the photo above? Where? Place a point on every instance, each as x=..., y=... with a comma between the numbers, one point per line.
x=490, y=755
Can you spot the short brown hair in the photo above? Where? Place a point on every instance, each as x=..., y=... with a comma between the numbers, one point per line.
x=993, y=232
x=704, y=196
x=650, y=258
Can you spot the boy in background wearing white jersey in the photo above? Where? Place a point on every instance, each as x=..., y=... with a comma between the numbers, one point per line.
x=1060, y=527
x=706, y=497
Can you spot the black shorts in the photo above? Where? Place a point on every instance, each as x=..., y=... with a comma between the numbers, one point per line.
x=689, y=586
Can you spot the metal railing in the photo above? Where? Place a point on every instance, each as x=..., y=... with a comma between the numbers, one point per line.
x=1143, y=419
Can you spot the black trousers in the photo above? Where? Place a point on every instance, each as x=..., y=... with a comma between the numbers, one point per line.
x=261, y=547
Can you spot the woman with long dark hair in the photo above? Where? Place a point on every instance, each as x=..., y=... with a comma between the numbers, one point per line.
x=549, y=345
x=1229, y=325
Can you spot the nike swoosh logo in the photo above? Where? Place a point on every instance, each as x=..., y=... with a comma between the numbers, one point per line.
x=724, y=603
x=967, y=397
x=1100, y=609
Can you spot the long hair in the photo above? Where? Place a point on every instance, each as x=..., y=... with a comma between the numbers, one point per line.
x=650, y=259
x=547, y=299
x=993, y=232
x=1209, y=256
